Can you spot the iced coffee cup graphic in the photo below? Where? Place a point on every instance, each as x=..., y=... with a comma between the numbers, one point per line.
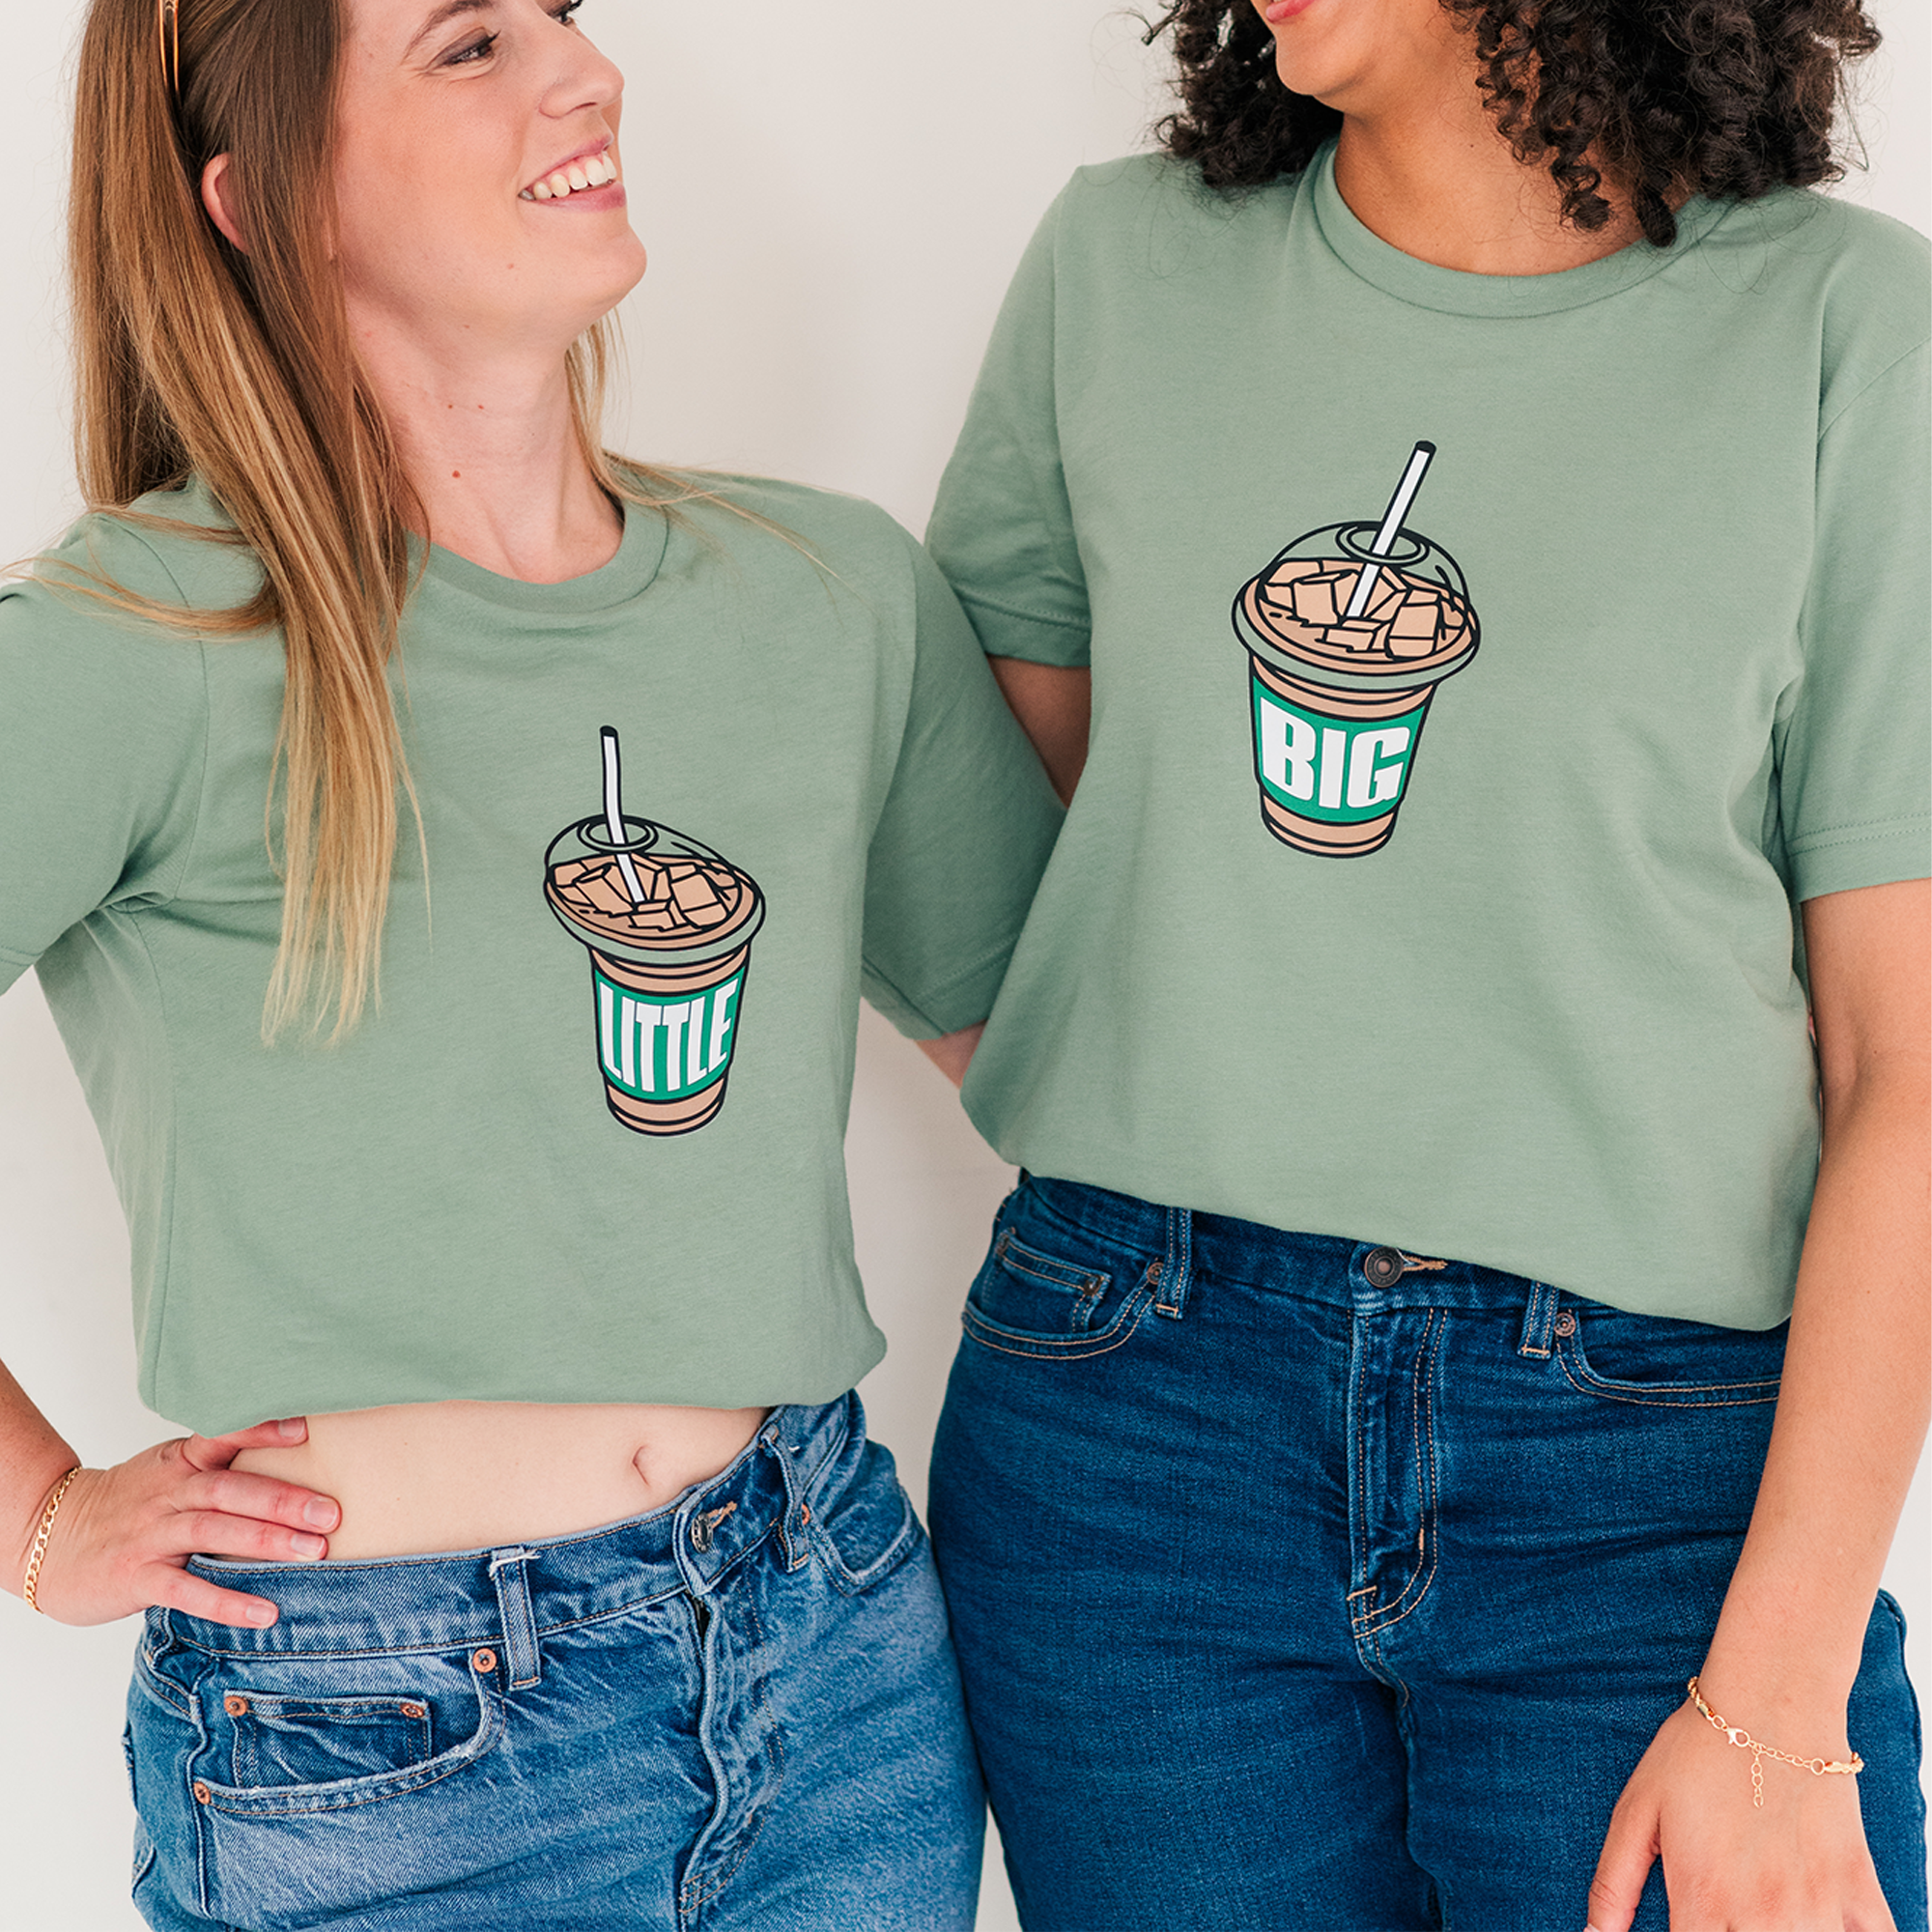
x=1349, y=631
x=669, y=926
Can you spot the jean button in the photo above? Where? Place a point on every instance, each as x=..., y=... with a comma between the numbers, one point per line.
x=1566, y=1323
x=1383, y=1267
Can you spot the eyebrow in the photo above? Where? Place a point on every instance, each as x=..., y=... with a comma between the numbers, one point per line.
x=451, y=10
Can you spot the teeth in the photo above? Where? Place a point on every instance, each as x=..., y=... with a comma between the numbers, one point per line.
x=597, y=171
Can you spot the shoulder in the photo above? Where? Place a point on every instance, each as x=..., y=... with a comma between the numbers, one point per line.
x=1862, y=252
x=770, y=523
x=1153, y=218
x=87, y=621
x=1853, y=278
x=1131, y=187
x=1878, y=299
x=172, y=548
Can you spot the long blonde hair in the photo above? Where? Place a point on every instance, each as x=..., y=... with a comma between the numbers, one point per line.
x=196, y=359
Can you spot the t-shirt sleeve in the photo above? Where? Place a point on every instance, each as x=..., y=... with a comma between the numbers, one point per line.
x=965, y=833
x=1002, y=529
x=103, y=737
x=1854, y=771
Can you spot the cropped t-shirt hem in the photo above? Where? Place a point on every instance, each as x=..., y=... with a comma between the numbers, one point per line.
x=1856, y=856
x=770, y=1390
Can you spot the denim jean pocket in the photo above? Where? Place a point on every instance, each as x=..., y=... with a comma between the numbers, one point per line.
x=1054, y=1292
x=280, y=1742
x=1665, y=1362
x=322, y=1785
x=274, y=1747
x=864, y=1526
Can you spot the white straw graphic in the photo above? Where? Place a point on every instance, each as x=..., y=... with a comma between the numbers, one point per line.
x=1391, y=527
x=613, y=815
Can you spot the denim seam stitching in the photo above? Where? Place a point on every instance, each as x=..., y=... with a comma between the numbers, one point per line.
x=164, y=1690
x=625, y=1610
x=203, y=1743
x=1362, y=1473
x=1607, y=1394
x=1678, y=1395
x=1104, y=1343
x=850, y=1582
x=711, y=1889
x=1086, y=1280
x=431, y=1647
x=1177, y=1276
x=1537, y=1323
x=1422, y=1400
x=399, y=1784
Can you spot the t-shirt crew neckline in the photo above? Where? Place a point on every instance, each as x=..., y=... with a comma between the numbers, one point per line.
x=640, y=554
x=1457, y=292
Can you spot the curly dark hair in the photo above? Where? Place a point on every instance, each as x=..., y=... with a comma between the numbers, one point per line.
x=1721, y=97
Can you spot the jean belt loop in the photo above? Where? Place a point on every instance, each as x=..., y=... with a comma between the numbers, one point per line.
x=1536, y=1319
x=792, y=1524
x=509, y=1570
x=1177, y=1266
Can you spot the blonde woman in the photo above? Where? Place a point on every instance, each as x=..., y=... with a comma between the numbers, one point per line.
x=528, y=1213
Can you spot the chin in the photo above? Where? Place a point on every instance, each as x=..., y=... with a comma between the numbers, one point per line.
x=598, y=287
x=1317, y=82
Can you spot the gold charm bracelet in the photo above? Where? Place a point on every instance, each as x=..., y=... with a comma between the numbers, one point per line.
x=1818, y=1766
x=37, y=1555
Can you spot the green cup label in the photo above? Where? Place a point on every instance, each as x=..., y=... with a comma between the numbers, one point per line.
x=666, y=1049
x=1332, y=769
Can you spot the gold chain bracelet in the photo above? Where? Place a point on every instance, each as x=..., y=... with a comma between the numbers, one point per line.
x=36, y=1556
x=1818, y=1766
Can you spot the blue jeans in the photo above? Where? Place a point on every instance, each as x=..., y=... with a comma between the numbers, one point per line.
x=1298, y=1582
x=739, y=1711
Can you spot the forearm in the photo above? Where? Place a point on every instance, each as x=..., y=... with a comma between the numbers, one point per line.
x=952, y=1053
x=33, y=1457
x=1851, y=1418
x=1054, y=705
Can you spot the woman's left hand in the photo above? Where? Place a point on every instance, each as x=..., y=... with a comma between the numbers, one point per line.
x=1800, y=1865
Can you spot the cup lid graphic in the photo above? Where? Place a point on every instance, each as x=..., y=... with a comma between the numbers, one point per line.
x=1362, y=606
x=636, y=889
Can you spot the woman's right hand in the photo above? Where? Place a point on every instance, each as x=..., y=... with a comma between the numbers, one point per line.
x=122, y=1536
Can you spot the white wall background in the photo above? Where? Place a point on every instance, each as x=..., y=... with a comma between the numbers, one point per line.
x=833, y=196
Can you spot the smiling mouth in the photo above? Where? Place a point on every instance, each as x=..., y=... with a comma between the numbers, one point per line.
x=578, y=176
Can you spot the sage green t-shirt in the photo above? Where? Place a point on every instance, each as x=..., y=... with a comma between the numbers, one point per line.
x=1460, y=917
x=590, y=1146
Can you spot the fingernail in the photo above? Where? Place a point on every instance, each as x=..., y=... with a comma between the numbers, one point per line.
x=292, y=1429
x=321, y=1511
x=308, y=1546
x=262, y=1614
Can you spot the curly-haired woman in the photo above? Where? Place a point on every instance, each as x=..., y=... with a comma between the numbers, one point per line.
x=1463, y=505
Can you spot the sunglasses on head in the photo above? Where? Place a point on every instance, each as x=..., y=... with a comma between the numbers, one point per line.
x=168, y=29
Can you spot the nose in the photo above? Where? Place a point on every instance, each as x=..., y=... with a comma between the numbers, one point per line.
x=585, y=79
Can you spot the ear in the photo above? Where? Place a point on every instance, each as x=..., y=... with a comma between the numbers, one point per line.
x=215, y=188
